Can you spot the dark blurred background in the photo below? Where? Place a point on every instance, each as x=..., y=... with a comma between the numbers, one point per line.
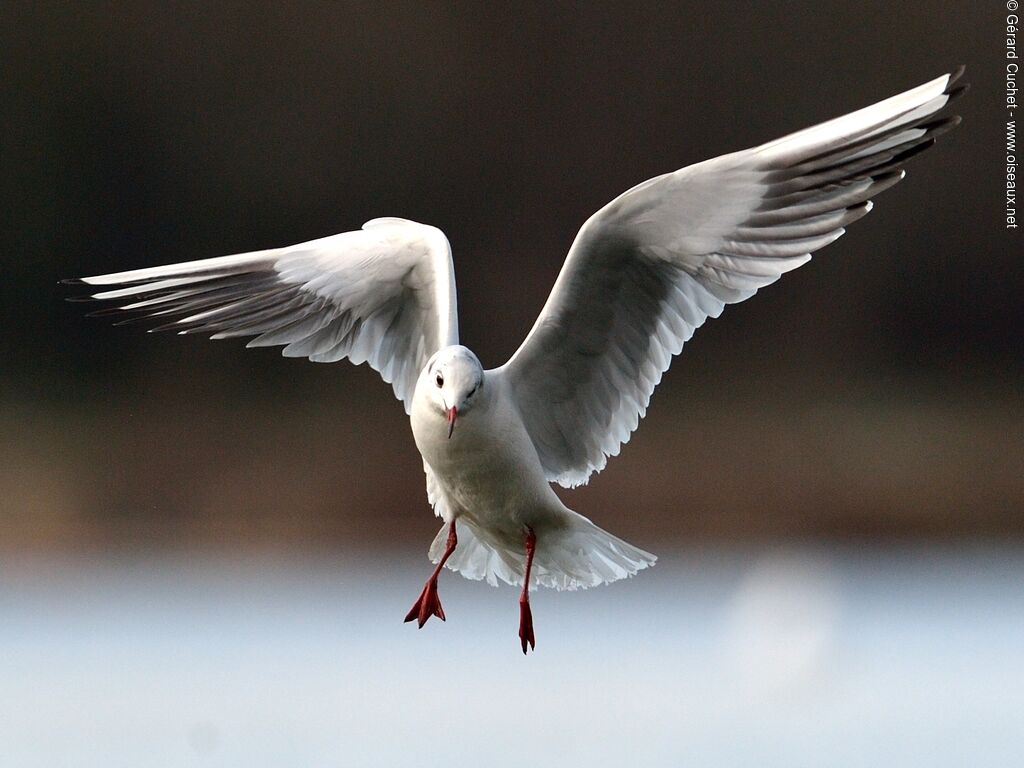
x=873, y=395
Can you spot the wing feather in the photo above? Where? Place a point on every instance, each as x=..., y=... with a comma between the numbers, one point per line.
x=650, y=267
x=384, y=294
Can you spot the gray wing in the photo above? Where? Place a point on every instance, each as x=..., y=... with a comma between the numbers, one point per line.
x=650, y=267
x=383, y=294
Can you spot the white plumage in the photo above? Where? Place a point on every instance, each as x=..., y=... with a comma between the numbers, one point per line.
x=642, y=275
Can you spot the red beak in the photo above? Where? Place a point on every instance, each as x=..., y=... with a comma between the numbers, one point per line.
x=452, y=415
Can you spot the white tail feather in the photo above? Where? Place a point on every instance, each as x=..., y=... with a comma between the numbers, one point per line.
x=577, y=557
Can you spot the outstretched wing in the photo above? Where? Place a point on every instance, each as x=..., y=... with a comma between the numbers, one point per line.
x=383, y=294
x=650, y=267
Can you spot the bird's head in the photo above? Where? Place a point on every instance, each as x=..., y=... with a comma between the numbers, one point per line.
x=454, y=379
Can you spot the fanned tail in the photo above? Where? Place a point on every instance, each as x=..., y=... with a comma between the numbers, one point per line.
x=576, y=557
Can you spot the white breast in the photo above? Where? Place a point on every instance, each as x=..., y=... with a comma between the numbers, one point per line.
x=488, y=470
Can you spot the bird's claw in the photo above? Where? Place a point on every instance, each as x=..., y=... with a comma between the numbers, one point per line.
x=526, y=625
x=428, y=604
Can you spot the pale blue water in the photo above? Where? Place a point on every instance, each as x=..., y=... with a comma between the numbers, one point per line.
x=787, y=657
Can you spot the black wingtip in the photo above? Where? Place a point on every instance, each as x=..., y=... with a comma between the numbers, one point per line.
x=955, y=75
x=955, y=89
x=106, y=312
x=956, y=93
x=941, y=127
x=131, y=319
x=76, y=281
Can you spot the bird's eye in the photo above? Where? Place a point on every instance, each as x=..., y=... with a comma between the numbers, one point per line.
x=440, y=380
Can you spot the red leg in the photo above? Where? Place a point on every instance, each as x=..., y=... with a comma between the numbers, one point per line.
x=428, y=603
x=525, y=614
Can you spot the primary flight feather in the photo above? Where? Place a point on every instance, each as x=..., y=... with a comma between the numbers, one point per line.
x=642, y=275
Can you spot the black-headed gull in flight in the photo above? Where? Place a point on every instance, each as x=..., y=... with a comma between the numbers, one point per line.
x=643, y=274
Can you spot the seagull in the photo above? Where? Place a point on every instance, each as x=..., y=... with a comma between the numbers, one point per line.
x=642, y=275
